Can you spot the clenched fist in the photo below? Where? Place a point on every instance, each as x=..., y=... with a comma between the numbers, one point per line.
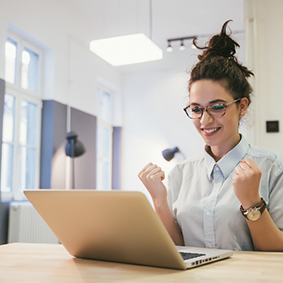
x=152, y=176
x=246, y=181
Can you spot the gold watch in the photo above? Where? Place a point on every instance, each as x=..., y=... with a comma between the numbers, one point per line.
x=255, y=212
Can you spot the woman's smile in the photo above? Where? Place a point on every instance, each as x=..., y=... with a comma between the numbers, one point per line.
x=210, y=131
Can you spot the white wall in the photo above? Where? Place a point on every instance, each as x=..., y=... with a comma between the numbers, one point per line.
x=264, y=24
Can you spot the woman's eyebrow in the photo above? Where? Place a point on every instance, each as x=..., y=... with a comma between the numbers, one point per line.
x=218, y=100
x=211, y=102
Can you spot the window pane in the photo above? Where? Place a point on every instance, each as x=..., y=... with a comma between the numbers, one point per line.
x=106, y=143
x=105, y=176
x=104, y=158
x=30, y=70
x=106, y=106
x=27, y=168
x=28, y=124
x=10, y=60
x=7, y=167
x=8, y=118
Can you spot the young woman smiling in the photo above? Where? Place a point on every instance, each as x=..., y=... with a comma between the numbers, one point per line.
x=230, y=196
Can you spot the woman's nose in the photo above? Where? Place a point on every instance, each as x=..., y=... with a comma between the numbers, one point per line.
x=206, y=118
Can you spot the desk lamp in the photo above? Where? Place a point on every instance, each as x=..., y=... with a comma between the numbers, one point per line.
x=169, y=153
x=74, y=148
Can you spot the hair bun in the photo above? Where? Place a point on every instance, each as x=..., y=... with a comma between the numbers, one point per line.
x=219, y=45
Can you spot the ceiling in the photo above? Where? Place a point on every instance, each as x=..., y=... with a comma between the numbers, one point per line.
x=161, y=20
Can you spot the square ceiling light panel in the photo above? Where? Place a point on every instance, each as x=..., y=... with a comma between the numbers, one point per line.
x=126, y=50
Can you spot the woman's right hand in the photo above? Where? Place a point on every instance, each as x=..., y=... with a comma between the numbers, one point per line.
x=152, y=176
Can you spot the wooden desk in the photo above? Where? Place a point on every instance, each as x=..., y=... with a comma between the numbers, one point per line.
x=42, y=263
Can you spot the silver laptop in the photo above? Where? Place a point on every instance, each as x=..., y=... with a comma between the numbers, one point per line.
x=119, y=226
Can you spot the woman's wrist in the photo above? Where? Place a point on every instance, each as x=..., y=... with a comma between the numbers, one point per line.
x=251, y=202
x=159, y=202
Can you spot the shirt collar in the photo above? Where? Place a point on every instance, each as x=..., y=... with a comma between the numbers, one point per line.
x=228, y=162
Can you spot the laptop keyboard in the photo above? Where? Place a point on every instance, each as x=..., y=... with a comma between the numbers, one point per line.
x=189, y=255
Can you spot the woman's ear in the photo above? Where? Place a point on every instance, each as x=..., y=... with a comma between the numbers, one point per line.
x=243, y=106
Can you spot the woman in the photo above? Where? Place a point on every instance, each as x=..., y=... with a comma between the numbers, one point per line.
x=231, y=195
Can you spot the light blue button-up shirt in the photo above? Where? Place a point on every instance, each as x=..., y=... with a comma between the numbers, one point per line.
x=202, y=199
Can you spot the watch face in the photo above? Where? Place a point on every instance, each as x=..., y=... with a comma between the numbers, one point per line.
x=254, y=215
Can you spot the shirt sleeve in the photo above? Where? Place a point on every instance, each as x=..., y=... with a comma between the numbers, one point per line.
x=174, y=184
x=275, y=200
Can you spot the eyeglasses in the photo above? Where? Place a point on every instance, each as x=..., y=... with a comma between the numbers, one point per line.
x=214, y=110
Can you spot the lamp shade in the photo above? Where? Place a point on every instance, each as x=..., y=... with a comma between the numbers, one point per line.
x=168, y=153
x=126, y=49
x=74, y=147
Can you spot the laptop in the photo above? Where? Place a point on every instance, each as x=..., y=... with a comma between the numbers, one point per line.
x=118, y=226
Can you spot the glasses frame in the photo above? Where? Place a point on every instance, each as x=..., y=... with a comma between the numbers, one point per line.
x=205, y=109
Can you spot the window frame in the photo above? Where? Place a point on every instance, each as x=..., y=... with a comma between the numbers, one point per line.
x=20, y=95
x=21, y=44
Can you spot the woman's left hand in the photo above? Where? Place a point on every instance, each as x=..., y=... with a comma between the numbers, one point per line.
x=246, y=181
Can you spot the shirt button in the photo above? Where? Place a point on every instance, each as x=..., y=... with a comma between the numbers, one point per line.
x=208, y=213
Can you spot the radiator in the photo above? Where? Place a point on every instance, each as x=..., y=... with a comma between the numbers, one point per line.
x=27, y=226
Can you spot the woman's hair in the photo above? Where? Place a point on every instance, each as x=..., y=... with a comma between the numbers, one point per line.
x=218, y=63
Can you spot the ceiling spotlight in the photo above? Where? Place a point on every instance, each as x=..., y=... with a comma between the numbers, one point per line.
x=181, y=39
x=169, y=47
x=182, y=46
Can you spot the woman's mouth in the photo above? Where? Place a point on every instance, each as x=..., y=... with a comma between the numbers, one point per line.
x=210, y=131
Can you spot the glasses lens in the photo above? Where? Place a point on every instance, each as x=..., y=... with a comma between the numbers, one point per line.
x=216, y=110
x=194, y=112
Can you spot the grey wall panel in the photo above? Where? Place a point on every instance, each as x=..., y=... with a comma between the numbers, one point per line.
x=53, y=160
x=4, y=219
x=2, y=95
x=4, y=206
x=116, y=159
x=46, y=144
x=58, y=174
x=85, y=165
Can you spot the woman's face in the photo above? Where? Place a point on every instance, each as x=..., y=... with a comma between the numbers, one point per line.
x=221, y=134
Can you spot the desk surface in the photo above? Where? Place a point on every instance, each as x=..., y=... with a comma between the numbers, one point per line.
x=52, y=263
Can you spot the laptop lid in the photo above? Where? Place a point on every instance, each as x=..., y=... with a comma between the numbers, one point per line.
x=118, y=226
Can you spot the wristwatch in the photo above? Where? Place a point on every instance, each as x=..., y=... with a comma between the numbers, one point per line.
x=255, y=212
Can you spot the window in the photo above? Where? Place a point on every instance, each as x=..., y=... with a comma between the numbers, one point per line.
x=10, y=62
x=21, y=118
x=104, y=139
